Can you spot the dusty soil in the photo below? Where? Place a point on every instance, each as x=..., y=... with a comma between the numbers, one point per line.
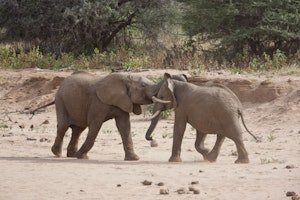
x=30, y=171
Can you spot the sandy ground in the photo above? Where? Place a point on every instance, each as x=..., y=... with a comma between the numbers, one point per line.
x=30, y=171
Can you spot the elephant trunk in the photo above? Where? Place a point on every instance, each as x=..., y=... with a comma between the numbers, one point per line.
x=157, y=109
x=152, y=126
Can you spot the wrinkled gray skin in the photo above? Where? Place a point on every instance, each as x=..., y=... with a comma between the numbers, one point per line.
x=211, y=109
x=154, y=121
x=84, y=100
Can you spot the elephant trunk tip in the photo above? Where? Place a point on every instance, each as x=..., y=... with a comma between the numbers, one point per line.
x=149, y=137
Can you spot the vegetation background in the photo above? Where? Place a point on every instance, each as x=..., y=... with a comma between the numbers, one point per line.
x=197, y=35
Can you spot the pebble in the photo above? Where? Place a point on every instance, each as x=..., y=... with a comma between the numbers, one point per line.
x=160, y=184
x=194, y=190
x=153, y=143
x=290, y=193
x=295, y=197
x=290, y=166
x=44, y=140
x=31, y=139
x=146, y=182
x=46, y=122
x=182, y=191
x=164, y=191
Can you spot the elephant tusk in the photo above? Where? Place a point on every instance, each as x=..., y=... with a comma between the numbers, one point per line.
x=155, y=99
x=155, y=114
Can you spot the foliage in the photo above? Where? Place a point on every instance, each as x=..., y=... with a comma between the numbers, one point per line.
x=260, y=63
x=19, y=59
x=255, y=27
x=81, y=26
x=137, y=62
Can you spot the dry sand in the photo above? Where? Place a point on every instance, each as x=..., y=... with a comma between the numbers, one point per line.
x=30, y=171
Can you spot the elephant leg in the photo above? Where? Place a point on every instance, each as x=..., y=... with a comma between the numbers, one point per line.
x=123, y=125
x=179, y=129
x=199, y=143
x=73, y=145
x=212, y=156
x=94, y=128
x=235, y=133
x=242, y=152
x=57, y=146
x=62, y=127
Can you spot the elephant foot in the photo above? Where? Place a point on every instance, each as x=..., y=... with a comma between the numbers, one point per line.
x=242, y=161
x=211, y=157
x=56, y=151
x=175, y=159
x=81, y=155
x=131, y=157
x=71, y=154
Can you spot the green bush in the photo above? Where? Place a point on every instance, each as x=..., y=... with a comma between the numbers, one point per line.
x=137, y=62
x=19, y=59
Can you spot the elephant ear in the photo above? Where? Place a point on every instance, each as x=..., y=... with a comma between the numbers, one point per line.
x=112, y=90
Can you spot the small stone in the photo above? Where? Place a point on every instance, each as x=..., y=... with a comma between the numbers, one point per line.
x=146, y=182
x=31, y=139
x=153, y=143
x=160, y=184
x=44, y=140
x=290, y=166
x=194, y=182
x=295, y=197
x=46, y=122
x=164, y=191
x=182, y=191
x=191, y=188
x=196, y=191
x=290, y=193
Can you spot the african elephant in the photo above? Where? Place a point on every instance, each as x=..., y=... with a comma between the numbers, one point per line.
x=211, y=109
x=85, y=100
x=154, y=121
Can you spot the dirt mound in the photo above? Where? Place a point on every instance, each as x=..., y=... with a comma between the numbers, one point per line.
x=34, y=87
x=28, y=88
x=256, y=90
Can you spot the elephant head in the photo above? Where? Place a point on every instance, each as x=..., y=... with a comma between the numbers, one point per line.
x=158, y=108
x=127, y=92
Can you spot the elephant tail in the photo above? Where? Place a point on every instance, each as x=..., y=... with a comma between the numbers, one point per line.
x=44, y=106
x=242, y=117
